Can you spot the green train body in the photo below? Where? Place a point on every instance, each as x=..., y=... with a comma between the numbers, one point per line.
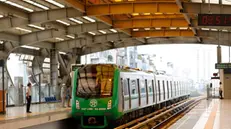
x=103, y=93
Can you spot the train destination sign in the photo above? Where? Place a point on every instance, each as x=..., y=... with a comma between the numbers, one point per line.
x=222, y=65
x=214, y=19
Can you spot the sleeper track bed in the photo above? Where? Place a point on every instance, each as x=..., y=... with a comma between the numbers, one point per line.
x=159, y=118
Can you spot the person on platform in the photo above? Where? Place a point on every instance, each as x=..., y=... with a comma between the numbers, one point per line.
x=69, y=96
x=220, y=92
x=28, y=97
x=63, y=94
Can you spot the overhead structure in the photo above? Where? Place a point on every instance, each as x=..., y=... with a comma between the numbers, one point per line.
x=96, y=25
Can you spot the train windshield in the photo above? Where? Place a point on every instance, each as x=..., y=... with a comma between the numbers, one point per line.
x=95, y=81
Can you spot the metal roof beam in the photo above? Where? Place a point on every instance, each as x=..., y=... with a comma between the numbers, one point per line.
x=78, y=29
x=38, y=17
x=144, y=23
x=132, y=7
x=187, y=18
x=27, y=51
x=17, y=40
x=40, y=36
x=197, y=8
x=6, y=9
x=163, y=33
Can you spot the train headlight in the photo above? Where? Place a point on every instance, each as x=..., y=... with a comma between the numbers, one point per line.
x=109, y=104
x=77, y=104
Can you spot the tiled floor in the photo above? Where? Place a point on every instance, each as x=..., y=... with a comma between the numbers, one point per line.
x=209, y=114
x=37, y=109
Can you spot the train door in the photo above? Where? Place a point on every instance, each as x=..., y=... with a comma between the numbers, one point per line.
x=163, y=90
x=147, y=94
x=171, y=89
x=129, y=93
x=150, y=92
x=139, y=97
x=143, y=93
x=158, y=91
x=167, y=89
x=126, y=95
x=134, y=93
x=153, y=91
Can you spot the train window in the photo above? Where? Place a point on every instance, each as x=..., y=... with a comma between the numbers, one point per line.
x=142, y=86
x=150, y=86
x=133, y=87
x=125, y=86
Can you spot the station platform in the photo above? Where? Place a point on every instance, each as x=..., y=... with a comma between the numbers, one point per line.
x=17, y=118
x=208, y=114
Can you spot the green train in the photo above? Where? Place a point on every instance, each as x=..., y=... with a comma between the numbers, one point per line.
x=105, y=94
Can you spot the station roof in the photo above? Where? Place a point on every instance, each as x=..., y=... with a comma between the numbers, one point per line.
x=97, y=25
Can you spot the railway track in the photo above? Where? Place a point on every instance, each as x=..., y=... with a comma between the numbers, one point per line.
x=159, y=118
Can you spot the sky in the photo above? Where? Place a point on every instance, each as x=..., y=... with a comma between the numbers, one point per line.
x=199, y=60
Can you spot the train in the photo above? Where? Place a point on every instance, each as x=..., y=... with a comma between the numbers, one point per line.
x=105, y=94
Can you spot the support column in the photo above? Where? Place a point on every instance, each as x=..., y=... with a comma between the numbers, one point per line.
x=54, y=72
x=77, y=52
x=221, y=71
x=218, y=54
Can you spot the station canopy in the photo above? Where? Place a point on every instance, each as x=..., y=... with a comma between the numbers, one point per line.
x=97, y=25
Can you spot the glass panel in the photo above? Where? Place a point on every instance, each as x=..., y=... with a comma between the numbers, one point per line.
x=133, y=87
x=149, y=82
x=142, y=86
x=125, y=85
x=95, y=81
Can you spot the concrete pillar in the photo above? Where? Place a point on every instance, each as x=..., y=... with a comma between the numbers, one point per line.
x=224, y=78
x=54, y=72
x=78, y=52
x=218, y=54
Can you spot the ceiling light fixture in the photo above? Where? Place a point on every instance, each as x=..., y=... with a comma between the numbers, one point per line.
x=89, y=19
x=158, y=28
x=36, y=4
x=19, y=6
x=146, y=28
x=64, y=53
x=1, y=16
x=55, y=3
x=37, y=27
x=69, y=36
x=147, y=13
x=60, y=39
x=103, y=32
x=135, y=14
x=91, y=33
x=75, y=20
x=183, y=28
x=18, y=28
x=135, y=29
x=113, y=30
x=63, y=22
x=30, y=47
x=172, y=28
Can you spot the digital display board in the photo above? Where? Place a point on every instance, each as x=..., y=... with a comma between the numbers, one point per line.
x=223, y=66
x=214, y=19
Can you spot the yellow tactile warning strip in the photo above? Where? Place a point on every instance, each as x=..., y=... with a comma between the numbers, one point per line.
x=210, y=122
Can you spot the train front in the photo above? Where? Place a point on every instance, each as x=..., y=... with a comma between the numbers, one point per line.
x=94, y=95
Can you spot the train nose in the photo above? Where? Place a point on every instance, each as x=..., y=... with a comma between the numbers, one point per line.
x=92, y=120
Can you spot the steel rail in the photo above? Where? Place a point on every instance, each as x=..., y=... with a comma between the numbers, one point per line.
x=169, y=111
